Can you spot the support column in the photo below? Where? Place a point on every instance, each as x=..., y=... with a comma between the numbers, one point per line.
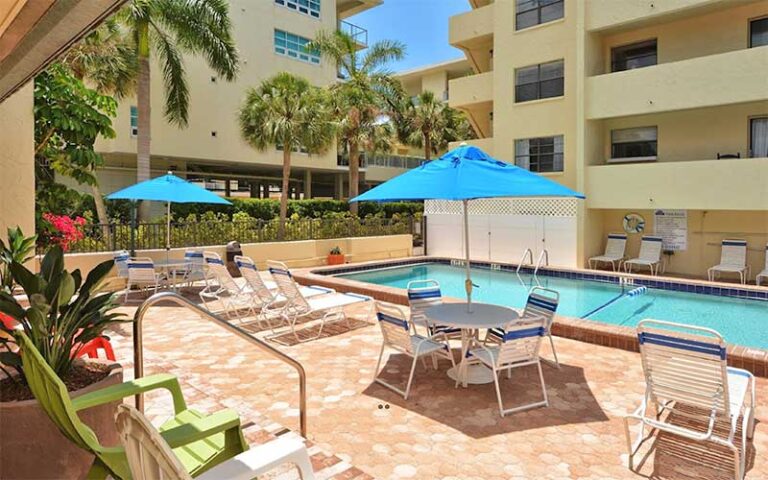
x=227, y=188
x=308, y=184
x=255, y=187
x=338, y=186
x=17, y=155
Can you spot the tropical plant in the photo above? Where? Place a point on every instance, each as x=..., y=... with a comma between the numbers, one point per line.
x=359, y=101
x=19, y=249
x=64, y=311
x=169, y=29
x=286, y=111
x=428, y=122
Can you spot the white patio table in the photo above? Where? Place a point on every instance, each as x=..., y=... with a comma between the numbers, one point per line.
x=482, y=316
x=171, y=266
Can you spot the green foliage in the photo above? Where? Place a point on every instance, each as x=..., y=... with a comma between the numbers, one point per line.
x=428, y=122
x=64, y=310
x=19, y=249
x=335, y=251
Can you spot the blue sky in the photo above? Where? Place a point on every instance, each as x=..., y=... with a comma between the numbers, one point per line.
x=422, y=25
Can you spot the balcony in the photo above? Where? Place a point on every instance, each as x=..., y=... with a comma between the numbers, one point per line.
x=468, y=30
x=358, y=34
x=382, y=160
x=610, y=14
x=347, y=8
x=471, y=90
x=734, y=184
x=723, y=79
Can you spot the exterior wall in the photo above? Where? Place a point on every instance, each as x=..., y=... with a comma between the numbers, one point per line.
x=17, y=160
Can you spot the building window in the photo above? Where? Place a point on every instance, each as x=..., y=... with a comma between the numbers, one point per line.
x=544, y=154
x=134, y=121
x=758, y=32
x=535, y=12
x=636, y=55
x=758, y=137
x=307, y=7
x=634, y=143
x=295, y=46
x=539, y=81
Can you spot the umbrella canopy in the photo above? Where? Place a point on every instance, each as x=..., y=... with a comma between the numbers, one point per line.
x=168, y=188
x=465, y=173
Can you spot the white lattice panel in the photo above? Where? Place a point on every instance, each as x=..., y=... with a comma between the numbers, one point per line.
x=548, y=207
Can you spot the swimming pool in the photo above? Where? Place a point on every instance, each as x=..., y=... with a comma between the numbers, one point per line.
x=740, y=321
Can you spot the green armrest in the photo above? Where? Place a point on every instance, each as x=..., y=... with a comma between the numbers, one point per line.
x=134, y=387
x=202, y=428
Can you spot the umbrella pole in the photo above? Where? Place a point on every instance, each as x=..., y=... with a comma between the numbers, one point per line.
x=168, y=231
x=134, y=206
x=468, y=281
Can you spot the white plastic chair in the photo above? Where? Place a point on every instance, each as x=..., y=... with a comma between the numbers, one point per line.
x=423, y=294
x=121, y=258
x=226, y=291
x=614, y=254
x=151, y=458
x=519, y=347
x=297, y=306
x=195, y=266
x=691, y=369
x=733, y=259
x=397, y=335
x=541, y=303
x=764, y=273
x=142, y=274
x=650, y=255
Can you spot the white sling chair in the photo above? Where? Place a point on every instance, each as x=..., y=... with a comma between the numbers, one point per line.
x=121, y=258
x=614, y=252
x=297, y=306
x=764, y=273
x=650, y=255
x=423, y=294
x=142, y=274
x=691, y=369
x=151, y=458
x=733, y=259
x=225, y=290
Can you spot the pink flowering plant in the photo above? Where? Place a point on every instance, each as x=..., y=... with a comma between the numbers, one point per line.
x=63, y=230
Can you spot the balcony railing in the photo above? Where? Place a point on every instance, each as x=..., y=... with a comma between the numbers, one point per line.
x=382, y=160
x=358, y=34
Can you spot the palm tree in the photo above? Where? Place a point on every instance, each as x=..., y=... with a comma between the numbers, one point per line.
x=359, y=101
x=286, y=111
x=428, y=123
x=169, y=29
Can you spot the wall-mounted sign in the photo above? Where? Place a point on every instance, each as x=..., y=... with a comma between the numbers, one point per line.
x=672, y=227
x=633, y=223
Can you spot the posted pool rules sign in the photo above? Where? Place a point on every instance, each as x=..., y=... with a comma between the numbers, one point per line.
x=672, y=227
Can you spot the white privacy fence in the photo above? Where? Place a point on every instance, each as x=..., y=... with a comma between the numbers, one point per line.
x=500, y=229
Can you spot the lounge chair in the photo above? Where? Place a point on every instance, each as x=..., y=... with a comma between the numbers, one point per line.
x=650, y=255
x=423, y=294
x=733, y=259
x=614, y=252
x=764, y=273
x=225, y=290
x=297, y=306
x=198, y=441
x=142, y=274
x=397, y=335
x=519, y=347
x=121, y=258
x=195, y=267
x=150, y=457
x=687, y=375
x=542, y=302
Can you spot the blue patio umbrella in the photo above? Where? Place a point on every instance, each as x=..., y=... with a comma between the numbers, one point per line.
x=169, y=189
x=466, y=173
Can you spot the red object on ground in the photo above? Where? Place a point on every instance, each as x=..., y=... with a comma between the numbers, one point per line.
x=8, y=321
x=91, y=349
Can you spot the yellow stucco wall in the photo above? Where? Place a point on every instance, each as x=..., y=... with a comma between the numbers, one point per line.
x=17, y=162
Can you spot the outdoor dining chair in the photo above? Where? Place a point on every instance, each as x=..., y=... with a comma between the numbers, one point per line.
x=194, y=270
x=398, y=334
x=142, y=274
x=733, y=259
x=649, y=256
x=423, y=294
x=121, y=258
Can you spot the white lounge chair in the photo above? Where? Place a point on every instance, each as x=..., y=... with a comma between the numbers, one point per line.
x=542, y=302
x=690, y=370
x=519, y=347
x=764, y=273
x=423, y=294
x=121, y=258
x=650, y=255
x=195, y=267
x=397, y=335
x=614, y=252
x=142, y=274
x=298, y=306
x=733, y=259
x=225, y=290
x=151, y=458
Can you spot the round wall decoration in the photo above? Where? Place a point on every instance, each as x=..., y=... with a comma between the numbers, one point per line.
x=633, y=223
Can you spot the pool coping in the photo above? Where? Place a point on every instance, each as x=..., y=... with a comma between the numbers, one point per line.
x=750, y=358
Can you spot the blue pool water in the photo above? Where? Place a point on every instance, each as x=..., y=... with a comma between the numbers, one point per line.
x=740, y=321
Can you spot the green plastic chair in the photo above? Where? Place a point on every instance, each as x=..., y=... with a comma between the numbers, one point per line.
x=200, y=442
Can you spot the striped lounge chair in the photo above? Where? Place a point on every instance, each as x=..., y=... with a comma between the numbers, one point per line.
x=614, y=252
x=221, y=287
x=764, y=274
x=733, y=259
x=650, y=255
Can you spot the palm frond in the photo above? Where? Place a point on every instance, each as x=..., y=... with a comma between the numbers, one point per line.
x=174, y=79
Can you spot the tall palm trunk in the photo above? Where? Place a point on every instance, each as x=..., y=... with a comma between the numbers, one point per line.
x=354, y=174
x=284, y=190
x=144, y=110
x=427, y=146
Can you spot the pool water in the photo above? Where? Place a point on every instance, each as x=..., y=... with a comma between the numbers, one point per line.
x=740, y=321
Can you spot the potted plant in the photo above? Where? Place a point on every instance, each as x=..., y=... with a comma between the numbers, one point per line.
x=62, y=313
x=335, y=257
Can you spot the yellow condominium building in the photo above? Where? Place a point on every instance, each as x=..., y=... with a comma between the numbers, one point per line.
x=657, y=111
x=269, y=35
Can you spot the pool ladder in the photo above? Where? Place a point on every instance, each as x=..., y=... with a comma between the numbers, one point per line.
x=528, y=254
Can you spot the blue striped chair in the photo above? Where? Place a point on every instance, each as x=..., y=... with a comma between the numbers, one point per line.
x=396, y=331
x=542, y=302
x=121, y=263
x=518, y=347
x=142, y=274
x=423, y=294
x=195, y=266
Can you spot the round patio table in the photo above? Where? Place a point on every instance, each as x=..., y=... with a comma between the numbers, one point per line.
x=171, y=266
x=482, y=316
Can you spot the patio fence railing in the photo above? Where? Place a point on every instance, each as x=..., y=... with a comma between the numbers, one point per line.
x=112, y=237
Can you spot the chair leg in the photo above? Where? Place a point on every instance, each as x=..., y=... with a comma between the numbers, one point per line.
x=498, y=390
x=554, y=352
x=304, y=465
x=410, y=377
x=543, y=385
x=378, y=363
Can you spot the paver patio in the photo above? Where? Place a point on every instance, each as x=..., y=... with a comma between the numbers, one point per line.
x=356, y=426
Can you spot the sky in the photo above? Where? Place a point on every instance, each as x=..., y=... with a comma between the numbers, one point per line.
x=422, y=25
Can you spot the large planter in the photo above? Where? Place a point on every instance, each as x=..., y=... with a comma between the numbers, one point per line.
x=336, y=259
x=31, y=447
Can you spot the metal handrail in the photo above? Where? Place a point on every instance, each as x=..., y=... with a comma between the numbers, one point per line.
x=526, y=253
x=545, y=256
x=138, y=347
